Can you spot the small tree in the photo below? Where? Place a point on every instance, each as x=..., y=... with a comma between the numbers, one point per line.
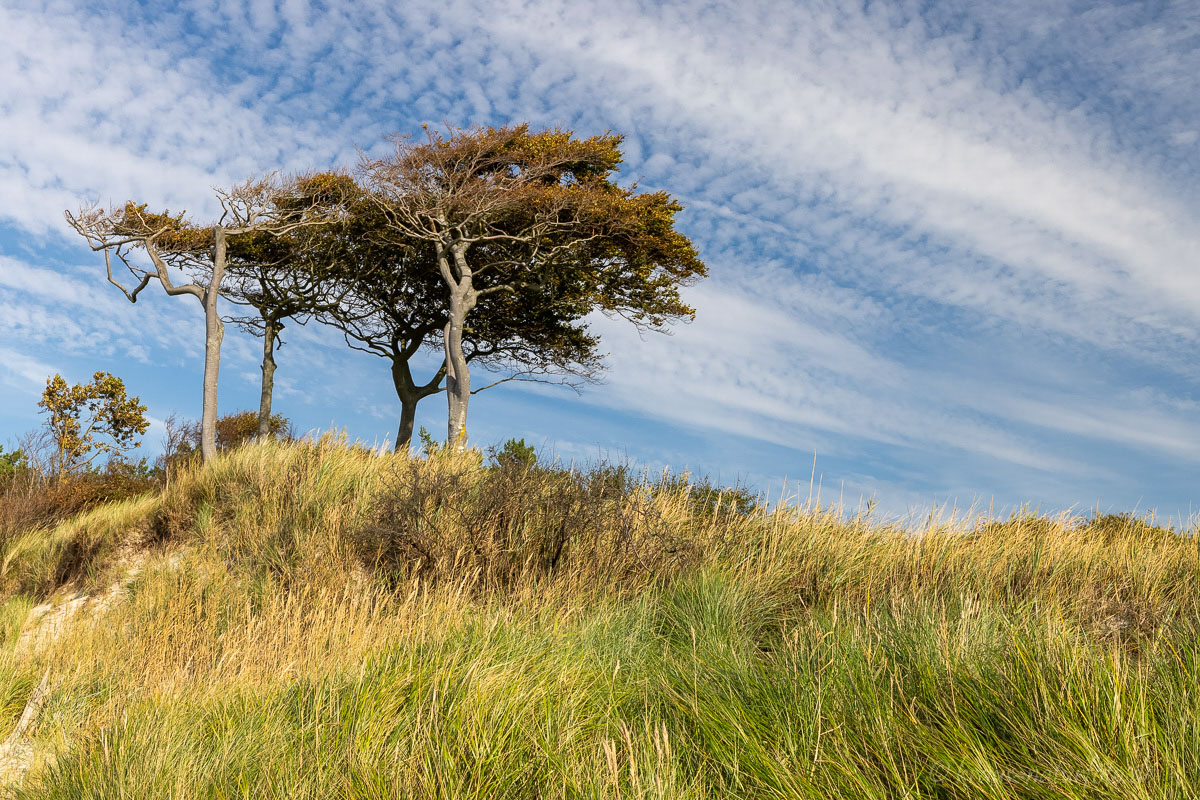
x=504, y=210
x=292, y=276
x=514, y=454
x=200, y=252
x=89, y=420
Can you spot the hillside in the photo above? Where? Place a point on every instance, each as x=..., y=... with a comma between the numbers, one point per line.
x=313, y=620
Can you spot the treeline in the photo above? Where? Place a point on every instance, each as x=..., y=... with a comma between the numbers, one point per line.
x=490, y=245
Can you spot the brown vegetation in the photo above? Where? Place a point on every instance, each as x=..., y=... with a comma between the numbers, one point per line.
x=312, y=619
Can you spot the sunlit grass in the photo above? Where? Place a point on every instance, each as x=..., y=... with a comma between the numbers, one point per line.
x=318, y=621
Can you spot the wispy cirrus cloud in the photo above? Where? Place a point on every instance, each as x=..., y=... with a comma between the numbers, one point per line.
x=955, y=227
x=23, y=373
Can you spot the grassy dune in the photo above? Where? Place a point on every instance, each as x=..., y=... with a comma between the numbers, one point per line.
x=315, y=621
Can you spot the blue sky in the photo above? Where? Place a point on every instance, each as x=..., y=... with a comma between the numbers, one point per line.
x=954, y=247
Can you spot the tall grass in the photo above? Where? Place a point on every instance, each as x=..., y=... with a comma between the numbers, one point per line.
x=312, y=620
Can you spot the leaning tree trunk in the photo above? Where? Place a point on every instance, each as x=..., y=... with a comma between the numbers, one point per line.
x=408, y=392
x=409, y=396
x=271, y=329
x=214, y=332
x=408, y=416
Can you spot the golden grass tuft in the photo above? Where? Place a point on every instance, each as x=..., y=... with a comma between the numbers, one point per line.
x=313, y=619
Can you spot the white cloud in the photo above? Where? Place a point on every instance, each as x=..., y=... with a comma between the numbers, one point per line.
x=23, y=373
x=873, y=188
x=74, y=310
x=757, y=372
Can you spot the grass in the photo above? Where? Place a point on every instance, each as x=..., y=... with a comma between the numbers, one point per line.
x=311, y=620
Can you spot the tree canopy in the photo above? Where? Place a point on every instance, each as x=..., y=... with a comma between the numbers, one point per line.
x=265, y=206
x=90, y=420
x=506, y=211
x=495, y=245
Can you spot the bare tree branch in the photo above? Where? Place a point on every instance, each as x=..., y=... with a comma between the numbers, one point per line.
x=265, y=206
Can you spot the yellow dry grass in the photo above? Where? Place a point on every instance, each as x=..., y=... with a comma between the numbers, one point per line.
x=317, y=620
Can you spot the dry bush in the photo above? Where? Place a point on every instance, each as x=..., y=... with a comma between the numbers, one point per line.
x=33, y=502
x=53, y=533
x=234, y=430
x=448, y=519
x=181, y=443
x=1112, y=528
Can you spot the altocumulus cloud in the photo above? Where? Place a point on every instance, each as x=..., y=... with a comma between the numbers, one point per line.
x=954, y=246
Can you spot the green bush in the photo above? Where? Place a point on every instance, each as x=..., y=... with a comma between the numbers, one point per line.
x=11, y=464
x=514, y=453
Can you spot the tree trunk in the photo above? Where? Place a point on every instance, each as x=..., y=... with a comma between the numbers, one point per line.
x=214, y=332
x=407, y=390
x=458, y=375
x=458, y=382
x=409, y=396
x=271, y=329
x=408, y=416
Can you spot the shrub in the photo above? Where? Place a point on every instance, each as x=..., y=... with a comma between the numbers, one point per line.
x=182, y=442
x=90, y=420
x=514, y=453
x=707, y=498
x=12, y=464
x=444, y=518
x=42, y=502
x=1113, y=527
x=234, y=430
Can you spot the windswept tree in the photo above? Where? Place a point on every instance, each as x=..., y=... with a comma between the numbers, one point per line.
x=199, y=252
x=384, y=294
x=505, y=211
x=347, y=276
x=291, y=276
x=393, y=309
x=398, y=308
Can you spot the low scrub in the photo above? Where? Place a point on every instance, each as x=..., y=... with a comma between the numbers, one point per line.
x=316, y=620
x=30, y=501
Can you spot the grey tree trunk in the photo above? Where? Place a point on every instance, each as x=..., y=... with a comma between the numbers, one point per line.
x=458, y=376
x=214, y=333
x=271, y=329
x=458, y=386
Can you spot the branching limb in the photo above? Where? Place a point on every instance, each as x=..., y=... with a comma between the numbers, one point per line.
x=572, y=382
x=130, y=296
